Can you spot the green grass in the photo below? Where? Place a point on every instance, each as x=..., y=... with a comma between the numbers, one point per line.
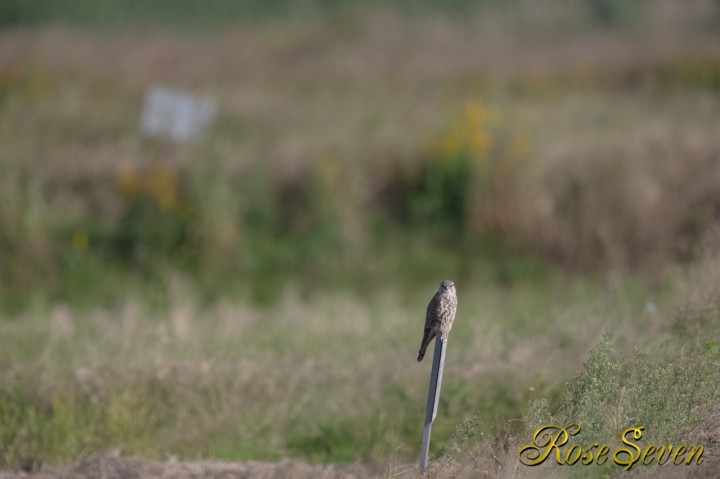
x=260, y=294
x=331, y=378
x=670, y=390
x=63, y=426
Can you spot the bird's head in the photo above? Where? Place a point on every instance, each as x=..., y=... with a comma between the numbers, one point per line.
x=447, y=286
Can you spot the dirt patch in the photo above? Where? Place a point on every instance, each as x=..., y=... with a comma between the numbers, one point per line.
x=112, y=466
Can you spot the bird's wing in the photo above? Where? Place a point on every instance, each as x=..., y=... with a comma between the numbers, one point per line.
x=432, y=310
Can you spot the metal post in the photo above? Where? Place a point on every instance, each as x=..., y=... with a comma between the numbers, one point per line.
x=436, y=374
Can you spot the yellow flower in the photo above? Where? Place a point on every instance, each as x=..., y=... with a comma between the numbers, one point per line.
x=475, y=114
x=471, y=133
x=128, y=183
x=80, y=240
x=480, y=141
x=163, y=186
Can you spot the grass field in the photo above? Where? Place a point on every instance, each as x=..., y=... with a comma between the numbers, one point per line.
x=260, y=294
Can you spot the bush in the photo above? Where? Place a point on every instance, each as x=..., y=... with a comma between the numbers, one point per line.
x=156, y=214
x=467, y=182
x=669, y=396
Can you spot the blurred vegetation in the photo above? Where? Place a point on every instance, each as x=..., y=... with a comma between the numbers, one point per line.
x=467, y=183
x=260, y=228
x=473, y=185
x=477, y=179
x=225, y=298
x=222, y=13
x=211, y=14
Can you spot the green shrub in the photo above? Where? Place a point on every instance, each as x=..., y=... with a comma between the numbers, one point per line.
x=594, y=396
x=467, y=182
x=156, y=215
x=668, y=396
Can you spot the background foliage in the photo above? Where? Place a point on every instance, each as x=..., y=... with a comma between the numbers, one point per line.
x=227, y=297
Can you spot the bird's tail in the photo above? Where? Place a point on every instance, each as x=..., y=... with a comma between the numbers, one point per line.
x=427, y=337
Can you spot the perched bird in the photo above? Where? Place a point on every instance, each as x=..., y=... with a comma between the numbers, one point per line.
x=440, y=315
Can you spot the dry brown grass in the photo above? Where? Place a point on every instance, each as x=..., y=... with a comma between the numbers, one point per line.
x=114, y=466
x=621, y=125
x=622, y=173
x=235, y=380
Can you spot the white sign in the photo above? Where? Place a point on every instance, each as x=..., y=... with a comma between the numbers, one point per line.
x=176, y=114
